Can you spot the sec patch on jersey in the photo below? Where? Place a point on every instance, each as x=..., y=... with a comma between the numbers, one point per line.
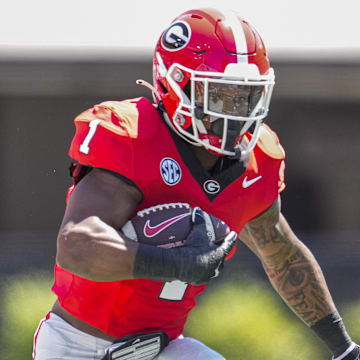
x=168, y=225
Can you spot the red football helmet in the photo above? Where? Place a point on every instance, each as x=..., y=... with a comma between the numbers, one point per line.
x=213, y=78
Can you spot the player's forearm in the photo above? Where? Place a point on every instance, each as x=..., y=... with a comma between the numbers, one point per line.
x=297, y=277
x=96, y=251
x=291, y=267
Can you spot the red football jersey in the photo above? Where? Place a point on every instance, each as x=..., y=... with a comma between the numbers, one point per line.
x=130, y=138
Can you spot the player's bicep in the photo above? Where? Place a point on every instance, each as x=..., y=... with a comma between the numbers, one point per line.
x=89, y=243
x=103, y=195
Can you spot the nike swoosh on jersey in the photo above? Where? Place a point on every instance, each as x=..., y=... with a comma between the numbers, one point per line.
x=246, y=183
x=151, y=231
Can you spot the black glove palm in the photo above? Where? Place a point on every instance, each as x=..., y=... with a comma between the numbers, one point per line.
x=207, y=258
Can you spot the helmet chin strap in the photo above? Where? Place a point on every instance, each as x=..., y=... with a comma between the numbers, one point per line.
x=240, y=151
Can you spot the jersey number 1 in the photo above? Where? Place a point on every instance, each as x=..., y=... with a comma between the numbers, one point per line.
x=93, y=124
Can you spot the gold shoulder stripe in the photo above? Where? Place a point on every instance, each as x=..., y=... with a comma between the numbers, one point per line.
x=120, y=117
x=269, y=143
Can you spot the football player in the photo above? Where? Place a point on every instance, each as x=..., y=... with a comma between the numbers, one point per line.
x=202, y=142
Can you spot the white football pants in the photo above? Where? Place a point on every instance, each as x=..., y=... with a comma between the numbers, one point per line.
x=55, y=339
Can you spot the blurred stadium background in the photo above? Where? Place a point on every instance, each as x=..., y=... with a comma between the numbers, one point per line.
x=315, y=111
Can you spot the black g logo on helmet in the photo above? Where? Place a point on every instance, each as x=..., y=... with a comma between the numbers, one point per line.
x=176, y=37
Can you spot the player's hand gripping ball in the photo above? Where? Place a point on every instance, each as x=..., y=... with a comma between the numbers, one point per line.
x=168, y=225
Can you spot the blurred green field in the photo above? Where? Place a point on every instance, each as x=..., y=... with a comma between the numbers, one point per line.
x=26, y=299
x=243, y=320
x=246, y=320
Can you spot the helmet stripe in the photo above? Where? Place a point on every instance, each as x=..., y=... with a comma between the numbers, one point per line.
x=239, y=35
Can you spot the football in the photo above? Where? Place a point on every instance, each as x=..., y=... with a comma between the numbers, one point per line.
x=168, y=225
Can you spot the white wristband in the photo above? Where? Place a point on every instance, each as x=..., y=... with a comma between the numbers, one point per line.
x=345, y=353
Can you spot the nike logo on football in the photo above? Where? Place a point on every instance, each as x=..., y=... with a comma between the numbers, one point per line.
x=151, y=231
x=246, y=183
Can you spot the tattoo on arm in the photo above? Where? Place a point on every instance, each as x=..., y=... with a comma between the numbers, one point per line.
x=290, y=266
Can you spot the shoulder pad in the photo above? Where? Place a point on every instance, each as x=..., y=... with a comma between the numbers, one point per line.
x=269, y=143
x=124, y=117
x=123, y=114
x=112, y=140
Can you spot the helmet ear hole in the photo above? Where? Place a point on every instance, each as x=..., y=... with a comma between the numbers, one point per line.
x=186, y=90
x=163, y=88
x=252, y=128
